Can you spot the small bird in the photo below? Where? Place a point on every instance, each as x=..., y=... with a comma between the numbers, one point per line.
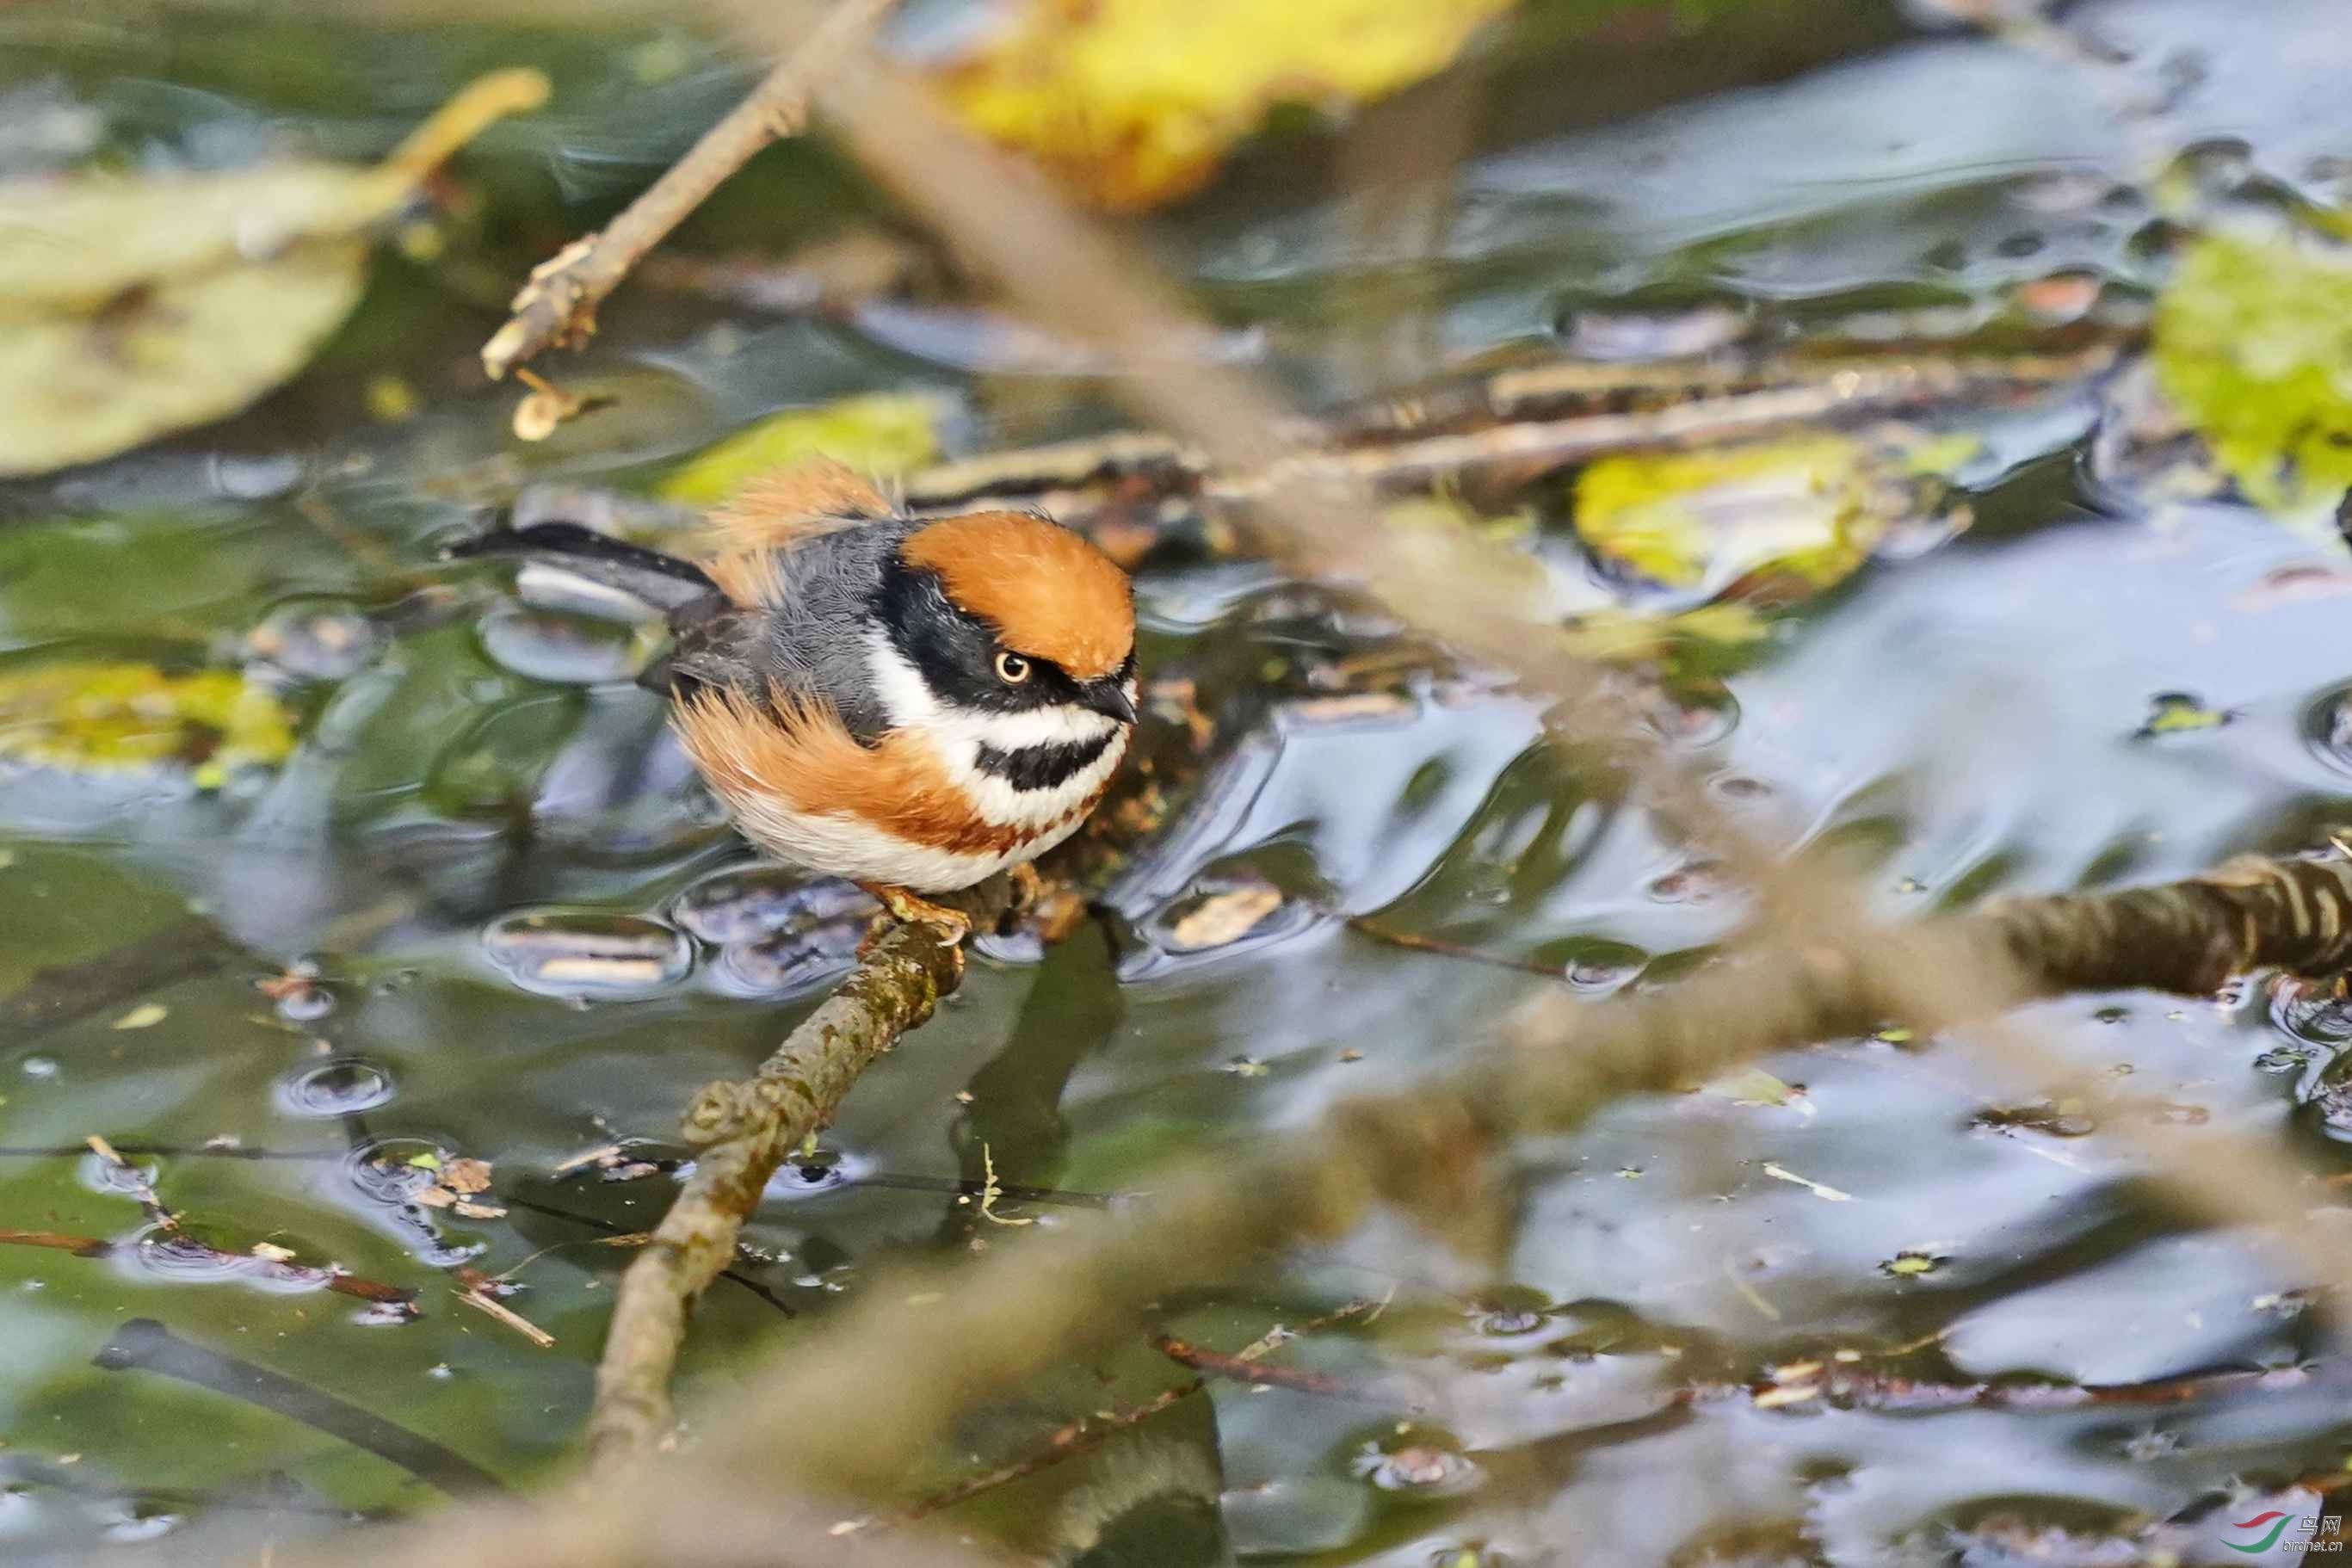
x=913, y=704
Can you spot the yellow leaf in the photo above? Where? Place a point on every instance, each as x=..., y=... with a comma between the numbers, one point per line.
x=105, y=718
x=1808, y=509
x=146, y=1016
x=1133, y=102
x=134, y=305
x=879, y=434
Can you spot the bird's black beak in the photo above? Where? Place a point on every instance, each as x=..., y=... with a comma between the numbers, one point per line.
x=1108, y=698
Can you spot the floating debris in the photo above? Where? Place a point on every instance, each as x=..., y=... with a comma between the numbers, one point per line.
x=1417, y=1464
x=1221, y=919
x=2180, y=712
x=1913, y=1263
x=1819, y=1189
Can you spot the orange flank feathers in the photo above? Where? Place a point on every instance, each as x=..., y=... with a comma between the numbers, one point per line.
x=748, y=532
x=1048, y=593
x=799, y=760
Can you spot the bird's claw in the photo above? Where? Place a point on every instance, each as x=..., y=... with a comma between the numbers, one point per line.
x=908, y=908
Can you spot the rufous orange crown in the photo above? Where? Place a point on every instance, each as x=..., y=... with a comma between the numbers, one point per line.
x=1048, y=593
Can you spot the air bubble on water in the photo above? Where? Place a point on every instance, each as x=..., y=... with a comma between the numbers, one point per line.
x=183, y=1261
x=341, y=1085
x=142, y=1522
x=385, y=1170
x=305, y=1004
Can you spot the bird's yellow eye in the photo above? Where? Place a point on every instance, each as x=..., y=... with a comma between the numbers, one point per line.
x=1012, y=669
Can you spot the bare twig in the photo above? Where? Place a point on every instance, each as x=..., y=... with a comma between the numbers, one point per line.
x=1247, y=1369
x=559, y=304
x=743, y=1132
x=490, y=1307
x=277, y=1270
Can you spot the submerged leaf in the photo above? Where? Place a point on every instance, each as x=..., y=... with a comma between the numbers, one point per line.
x=2254, y=347
x=1134, y=102
x=879, y=434
x=105, y=718
x=131, y=306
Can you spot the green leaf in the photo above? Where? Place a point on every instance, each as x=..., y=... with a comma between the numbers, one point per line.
x=2177, y=712
x=2254, y=347
x=105, y=718
x=879, y=434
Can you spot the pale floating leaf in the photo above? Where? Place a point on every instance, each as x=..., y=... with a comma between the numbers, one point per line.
x=1223, y=918
x=177, y=353
x=1754, y=1086
x=138, y=304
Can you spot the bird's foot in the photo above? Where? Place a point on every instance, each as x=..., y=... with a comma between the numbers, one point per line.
x=908, y=906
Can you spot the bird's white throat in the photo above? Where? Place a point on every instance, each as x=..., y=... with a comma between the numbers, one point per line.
x=958, y=735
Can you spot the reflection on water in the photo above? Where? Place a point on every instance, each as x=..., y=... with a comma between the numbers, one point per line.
x=484, y=913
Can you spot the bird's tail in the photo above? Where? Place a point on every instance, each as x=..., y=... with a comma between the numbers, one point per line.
x=664, y=582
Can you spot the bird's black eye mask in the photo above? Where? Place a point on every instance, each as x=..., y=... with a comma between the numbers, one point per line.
x=956, y=651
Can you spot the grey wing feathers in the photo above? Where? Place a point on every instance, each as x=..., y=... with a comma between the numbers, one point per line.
x=814, y=640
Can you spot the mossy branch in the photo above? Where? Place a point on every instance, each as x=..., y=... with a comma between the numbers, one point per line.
x=741, y=1132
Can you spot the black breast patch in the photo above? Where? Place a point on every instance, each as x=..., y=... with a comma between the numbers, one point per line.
x=1028, y=768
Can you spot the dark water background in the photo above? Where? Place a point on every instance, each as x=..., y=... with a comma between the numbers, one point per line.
x=1967, y=721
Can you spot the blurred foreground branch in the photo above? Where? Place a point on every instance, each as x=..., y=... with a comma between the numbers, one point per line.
x=927, y=1343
